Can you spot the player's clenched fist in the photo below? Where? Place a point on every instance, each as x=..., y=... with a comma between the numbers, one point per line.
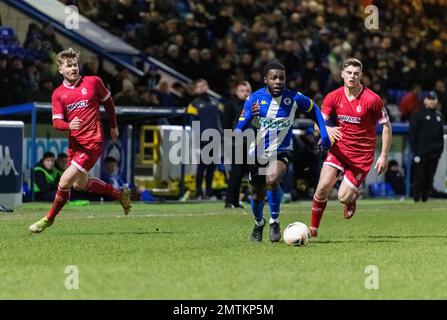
x=75, y=124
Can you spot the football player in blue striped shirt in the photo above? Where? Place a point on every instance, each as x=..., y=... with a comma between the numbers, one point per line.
x=270, y=111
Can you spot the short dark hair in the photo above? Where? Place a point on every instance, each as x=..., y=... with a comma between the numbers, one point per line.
x=62, y=155
x=48, y=154
x=272, y=65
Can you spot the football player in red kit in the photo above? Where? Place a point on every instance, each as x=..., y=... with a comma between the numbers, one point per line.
x=356, y=111
x=75, y=106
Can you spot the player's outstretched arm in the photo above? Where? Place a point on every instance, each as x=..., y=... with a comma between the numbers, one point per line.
x=109, y=106
x=382, y=163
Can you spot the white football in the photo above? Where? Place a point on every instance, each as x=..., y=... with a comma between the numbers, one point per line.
x=296, y=234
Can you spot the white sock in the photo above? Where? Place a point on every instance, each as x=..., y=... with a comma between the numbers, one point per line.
x=260, y=223
x=274, y=220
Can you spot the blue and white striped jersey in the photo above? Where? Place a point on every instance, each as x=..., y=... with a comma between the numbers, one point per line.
x=276, y=116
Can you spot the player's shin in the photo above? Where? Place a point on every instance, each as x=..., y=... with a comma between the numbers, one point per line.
x=274, y=198
x=61, y=198
x=257, y=206
x=318, y=207
x=98, y=186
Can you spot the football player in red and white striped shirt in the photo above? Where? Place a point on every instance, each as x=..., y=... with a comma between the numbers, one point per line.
x=75, y=106
x=356, y=111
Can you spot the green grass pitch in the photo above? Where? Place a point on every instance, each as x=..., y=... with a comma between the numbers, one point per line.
x=202, y=251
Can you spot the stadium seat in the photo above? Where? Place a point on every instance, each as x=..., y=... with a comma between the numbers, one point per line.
x=7, y=33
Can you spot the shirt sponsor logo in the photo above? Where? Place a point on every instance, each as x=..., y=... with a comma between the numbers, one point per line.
x=79, y=104
x=348, y=119
x=274, y=123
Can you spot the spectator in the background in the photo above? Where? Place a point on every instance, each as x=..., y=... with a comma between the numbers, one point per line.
x=46, y=178
x=395, y=177
x=48, y=35
x=193, y=66
x=5, y=97
x=18, y=83
x=46, y=88
x=61, y=162
x=111, y=174
x=205, y=109
x=410, y=102
x=233, y=108
x=32, y=78
x=127, y=96
x=150, y=79
x=427, y=143
x=441, y=91
x=164, y=95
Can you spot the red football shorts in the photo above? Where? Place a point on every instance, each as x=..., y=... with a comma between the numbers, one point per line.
x=354, y=175
x=84, y=157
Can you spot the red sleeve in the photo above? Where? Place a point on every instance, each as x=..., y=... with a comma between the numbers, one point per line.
x=380, y=114
x=103, y=92
x=327, y=107
x=110, y=109
x=57, y=107
x=59, y=124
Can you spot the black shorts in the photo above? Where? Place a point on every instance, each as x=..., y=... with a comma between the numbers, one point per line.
x=259, y=179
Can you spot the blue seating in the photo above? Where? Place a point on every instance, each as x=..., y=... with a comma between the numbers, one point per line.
x=7, y=33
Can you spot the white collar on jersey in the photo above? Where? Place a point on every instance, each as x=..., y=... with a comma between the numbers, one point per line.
x=355, y=97
x=73, y=86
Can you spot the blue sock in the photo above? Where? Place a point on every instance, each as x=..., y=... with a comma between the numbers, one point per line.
x=257, y=207
x=274, y=197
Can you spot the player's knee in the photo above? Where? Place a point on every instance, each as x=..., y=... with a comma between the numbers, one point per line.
x=64, y=184
x=272, y=183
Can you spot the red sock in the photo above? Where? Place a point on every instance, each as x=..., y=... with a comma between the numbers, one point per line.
x=100, y=187
x=58, y=203
x=318, y=207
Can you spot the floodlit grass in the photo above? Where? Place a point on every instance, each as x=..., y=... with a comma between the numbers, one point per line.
x=202, y=251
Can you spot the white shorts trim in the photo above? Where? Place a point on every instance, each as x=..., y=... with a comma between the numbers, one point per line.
x=78, y=166
x=350, y=184
x=331, y=164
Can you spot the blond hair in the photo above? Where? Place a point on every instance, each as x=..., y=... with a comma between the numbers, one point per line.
x=352, y=62
x=69, y=53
